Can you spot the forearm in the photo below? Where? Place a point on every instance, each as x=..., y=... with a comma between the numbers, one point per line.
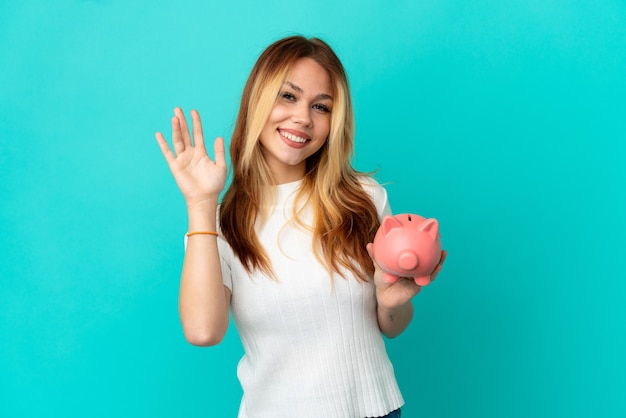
x=203, y=299
x=392, y=322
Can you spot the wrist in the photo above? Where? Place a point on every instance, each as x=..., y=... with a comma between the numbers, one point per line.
x=202, y=204
x=202, y=216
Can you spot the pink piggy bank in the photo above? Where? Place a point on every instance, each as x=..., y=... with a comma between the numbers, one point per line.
x=407, y=246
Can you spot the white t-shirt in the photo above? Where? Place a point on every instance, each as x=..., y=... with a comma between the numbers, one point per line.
x=312, y=345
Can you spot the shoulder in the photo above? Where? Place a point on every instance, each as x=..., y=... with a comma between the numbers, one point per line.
x=377, y=193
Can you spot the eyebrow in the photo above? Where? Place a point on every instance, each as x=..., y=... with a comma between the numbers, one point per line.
x=299, y=90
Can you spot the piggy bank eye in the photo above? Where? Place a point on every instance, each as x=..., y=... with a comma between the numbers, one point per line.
x=409, y=218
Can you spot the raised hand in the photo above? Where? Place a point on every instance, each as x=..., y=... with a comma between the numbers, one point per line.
x=199, y=178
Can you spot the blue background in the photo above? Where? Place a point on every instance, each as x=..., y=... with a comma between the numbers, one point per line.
x=504, y=119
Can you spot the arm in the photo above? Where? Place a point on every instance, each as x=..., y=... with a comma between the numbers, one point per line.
x=394, y=307
x=203, y=300
x=393, y=320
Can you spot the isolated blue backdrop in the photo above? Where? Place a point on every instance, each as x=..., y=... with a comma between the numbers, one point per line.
x=504, y=119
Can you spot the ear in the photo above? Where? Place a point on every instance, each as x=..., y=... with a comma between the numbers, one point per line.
x=432, y=227
x=389, y=223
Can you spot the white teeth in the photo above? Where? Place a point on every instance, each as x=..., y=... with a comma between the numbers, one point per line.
x=293, y=137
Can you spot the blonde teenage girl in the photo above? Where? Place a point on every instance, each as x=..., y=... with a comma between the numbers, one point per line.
x=286, y=251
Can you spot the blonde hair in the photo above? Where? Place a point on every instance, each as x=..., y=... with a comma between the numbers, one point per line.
x=345, y=218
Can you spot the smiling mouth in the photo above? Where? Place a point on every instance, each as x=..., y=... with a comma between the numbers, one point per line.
x=292, y=137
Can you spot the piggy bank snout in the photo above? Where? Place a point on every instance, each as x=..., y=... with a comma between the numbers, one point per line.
x=407, y=260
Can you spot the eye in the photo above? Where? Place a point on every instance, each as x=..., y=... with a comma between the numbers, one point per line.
x=287, y=96
x=321, y=107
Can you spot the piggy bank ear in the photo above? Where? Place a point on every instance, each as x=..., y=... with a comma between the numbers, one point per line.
x=431, y=226
x=389, y=223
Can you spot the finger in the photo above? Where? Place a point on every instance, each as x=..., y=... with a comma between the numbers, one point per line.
x=411, y=287
x=177, y=136
x=437, y=269
x=184, y=128
x=196, y=123
x=219, y=152
x=435, y=272
x=165, y=149
x=370, y=250
x=444, y=254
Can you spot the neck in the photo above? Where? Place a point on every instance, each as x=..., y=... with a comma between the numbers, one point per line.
x=288, y=176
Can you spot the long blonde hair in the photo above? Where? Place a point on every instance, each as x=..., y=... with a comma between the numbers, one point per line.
x=345, y=218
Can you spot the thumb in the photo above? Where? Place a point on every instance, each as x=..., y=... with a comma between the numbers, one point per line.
x=370, y=251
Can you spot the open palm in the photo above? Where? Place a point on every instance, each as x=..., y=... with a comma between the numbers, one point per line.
x=199, y=178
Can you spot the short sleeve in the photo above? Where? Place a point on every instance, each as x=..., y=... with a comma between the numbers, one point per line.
x=378, y=195
x=226, y=254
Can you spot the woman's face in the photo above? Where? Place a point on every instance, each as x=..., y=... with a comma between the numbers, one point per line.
x=299, y=123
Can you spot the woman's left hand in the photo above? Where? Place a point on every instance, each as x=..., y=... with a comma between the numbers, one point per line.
x=393, y=295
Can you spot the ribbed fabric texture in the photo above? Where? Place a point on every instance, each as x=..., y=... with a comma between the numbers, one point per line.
x=312, y=346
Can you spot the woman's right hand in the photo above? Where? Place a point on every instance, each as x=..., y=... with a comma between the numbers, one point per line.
x=199, y=178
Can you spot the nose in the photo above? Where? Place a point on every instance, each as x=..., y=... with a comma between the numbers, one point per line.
x=301, y=115
x=407, y=260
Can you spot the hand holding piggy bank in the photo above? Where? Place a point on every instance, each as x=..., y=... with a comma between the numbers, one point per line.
x=407, y=245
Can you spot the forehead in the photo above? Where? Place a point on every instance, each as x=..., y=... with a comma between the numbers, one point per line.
x=308, y=75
